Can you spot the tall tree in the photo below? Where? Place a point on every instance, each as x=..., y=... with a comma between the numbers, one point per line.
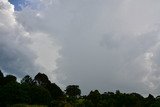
x=27, y=80
x=94, y=97
x=1, y=78
x=39, y=95
x=73, y=91
x=9, y=78
x=1, y=74
x=42, y=80
x=149, y=100
x=12, y=93
x=55, y=91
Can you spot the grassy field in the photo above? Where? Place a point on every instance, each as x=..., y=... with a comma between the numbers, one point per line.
x=24, y=105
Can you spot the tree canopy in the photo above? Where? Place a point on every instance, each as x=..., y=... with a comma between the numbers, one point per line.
x=73, y=91
x=41, y=90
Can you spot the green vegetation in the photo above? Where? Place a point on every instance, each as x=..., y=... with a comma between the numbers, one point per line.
x=25, y=105
x=40, y=92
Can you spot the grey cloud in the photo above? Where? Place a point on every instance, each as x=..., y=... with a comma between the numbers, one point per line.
x=15, y=55
x=16, y=58
x=104, y=43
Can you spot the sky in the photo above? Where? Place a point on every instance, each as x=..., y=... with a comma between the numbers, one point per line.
x=17, y=4
x=106, y=44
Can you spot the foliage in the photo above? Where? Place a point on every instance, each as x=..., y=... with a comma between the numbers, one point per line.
x=13, y=93
x=73, y=91
x=1, y=74
x=40, y=91
x=25, y=105
x=1, y=78
x=55, y=91
x=27, y=80
x=42, y=80
x=39, y=95
x=9, y=78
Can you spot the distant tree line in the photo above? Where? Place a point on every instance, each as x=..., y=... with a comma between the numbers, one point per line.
x=41, y=91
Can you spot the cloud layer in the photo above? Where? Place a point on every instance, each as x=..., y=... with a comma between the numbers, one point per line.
x=105, y=45
x=15, y=55
x=23, y=52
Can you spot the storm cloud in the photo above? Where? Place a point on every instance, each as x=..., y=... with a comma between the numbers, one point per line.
x=15, y=56
x=105, y=44
x=19, y=54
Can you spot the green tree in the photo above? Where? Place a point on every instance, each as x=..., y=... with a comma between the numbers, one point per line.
x=149, y=100
x=42, y=80
x=55, y=91
x=73, y=91
x=9, y=78
x=94, y=97
x=12, y=93
x=27, y=80
x=1, y=74
x=39, y=95
x=157, y=102
x=1, y=78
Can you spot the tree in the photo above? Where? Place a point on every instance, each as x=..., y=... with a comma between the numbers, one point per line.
x=12, y=93
x=42, y=80
x=1, y=74
x=73, y=91
x=1, y=78
x=94, y=97
x=9, y=78
x=39, y=95
x=27, y=80
x=149, y=100
x=55, y=91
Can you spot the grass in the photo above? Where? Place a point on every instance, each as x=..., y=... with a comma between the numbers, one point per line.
x=24, y=105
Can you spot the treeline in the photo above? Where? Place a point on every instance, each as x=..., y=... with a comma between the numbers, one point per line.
x=29, y=91
x=41, y=91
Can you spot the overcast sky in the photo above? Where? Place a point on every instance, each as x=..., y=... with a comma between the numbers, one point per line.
x=96, y=44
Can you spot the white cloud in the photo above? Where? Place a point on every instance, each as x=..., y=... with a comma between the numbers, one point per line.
x=24, y=52
x=47, y=53
x=15, y=55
